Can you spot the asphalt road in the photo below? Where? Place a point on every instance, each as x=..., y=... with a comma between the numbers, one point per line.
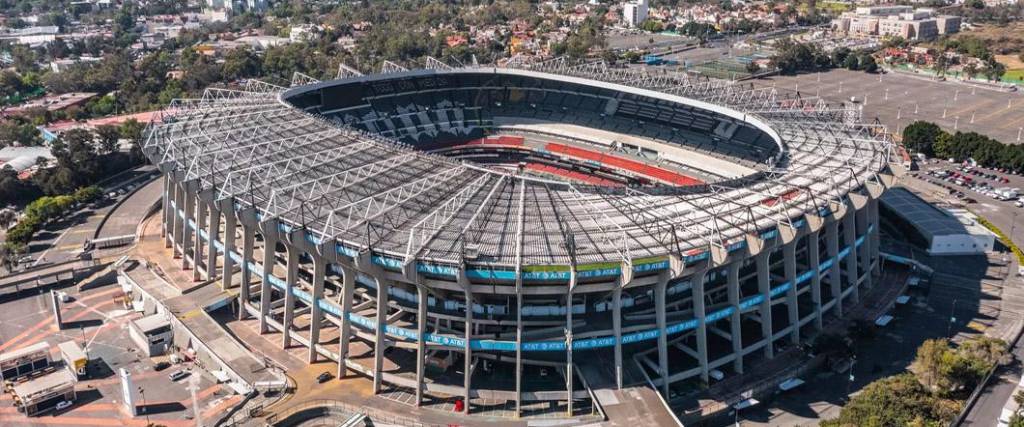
x=63, y=240
x=997, y=392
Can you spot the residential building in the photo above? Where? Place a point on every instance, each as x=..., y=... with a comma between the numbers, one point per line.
x=893, y=20
x=634, y=13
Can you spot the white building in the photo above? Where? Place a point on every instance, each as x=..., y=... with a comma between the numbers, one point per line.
x=634, y=13
x=901, y=21
x=33, y=36
x=302, y=33
x=152, y=334
x=946, y=231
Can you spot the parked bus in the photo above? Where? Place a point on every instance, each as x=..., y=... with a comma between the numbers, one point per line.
x=109, y=242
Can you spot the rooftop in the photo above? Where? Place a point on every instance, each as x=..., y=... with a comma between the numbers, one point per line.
x=13, y=354
x=44, y=384
x=930, y=220
x=153, y=322
x=341, y=182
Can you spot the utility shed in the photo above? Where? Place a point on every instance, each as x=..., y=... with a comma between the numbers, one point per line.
x=152, y=334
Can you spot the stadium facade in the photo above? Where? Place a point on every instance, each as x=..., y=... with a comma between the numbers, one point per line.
x=605, y=225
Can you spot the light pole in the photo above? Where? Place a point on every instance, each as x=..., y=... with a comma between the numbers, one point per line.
x=142, y=392
x=952, y=318
x=1013, y=225
x=851, y=378
x=193, y=387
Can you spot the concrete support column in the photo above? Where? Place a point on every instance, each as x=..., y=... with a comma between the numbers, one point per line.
x=345, y=332
x=735, y=320
x=569, y=369
x=617, y=328
x=697, y=287
x=789, y=265
x=197, y=250
x=864, y=251
x=248, y=241
x=316, y=317
x=850, y=239
x=186, y=229
x=291, y=281
x=379, y=345
x=835, y=282
x=179, y=221
x=814, y=263
x=874, y=239
x=764, y=288
x=269, y=247
x=167, y=220
x=173, y=222
x=421, y=344
x=230, y=230
x=659, y=308
x=211, y=247
x=519, y=353
x=468, y=367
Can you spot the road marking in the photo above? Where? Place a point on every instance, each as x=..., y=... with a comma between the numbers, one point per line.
x=55, y=241
x=191, y=313
x=35, y=328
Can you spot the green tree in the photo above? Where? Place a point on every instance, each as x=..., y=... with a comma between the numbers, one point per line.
x=899, y=400
x=920, y=136
x=17, y=131
x=852, y=62
x=108, y=138
x=868, y=63
x=131, y=130
x=839, y=55
x=652, y=25
x=239, y=63
x=930, y=362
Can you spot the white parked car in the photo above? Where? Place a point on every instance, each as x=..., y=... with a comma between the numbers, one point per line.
x=177, y=375
x=63, y=405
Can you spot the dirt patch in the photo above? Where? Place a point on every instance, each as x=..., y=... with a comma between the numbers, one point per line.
x=1006, y=40
x=1012, y=62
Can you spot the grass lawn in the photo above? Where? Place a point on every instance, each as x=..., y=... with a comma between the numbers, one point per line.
x=1014, y=75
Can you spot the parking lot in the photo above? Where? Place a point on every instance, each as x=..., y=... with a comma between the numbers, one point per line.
x=1002, y=213
x=897, y=100
x=97, y=320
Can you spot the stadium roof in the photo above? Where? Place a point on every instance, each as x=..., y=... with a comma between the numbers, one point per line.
x=365, y=190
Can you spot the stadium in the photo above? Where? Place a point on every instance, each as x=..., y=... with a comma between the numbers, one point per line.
x=529, y=231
